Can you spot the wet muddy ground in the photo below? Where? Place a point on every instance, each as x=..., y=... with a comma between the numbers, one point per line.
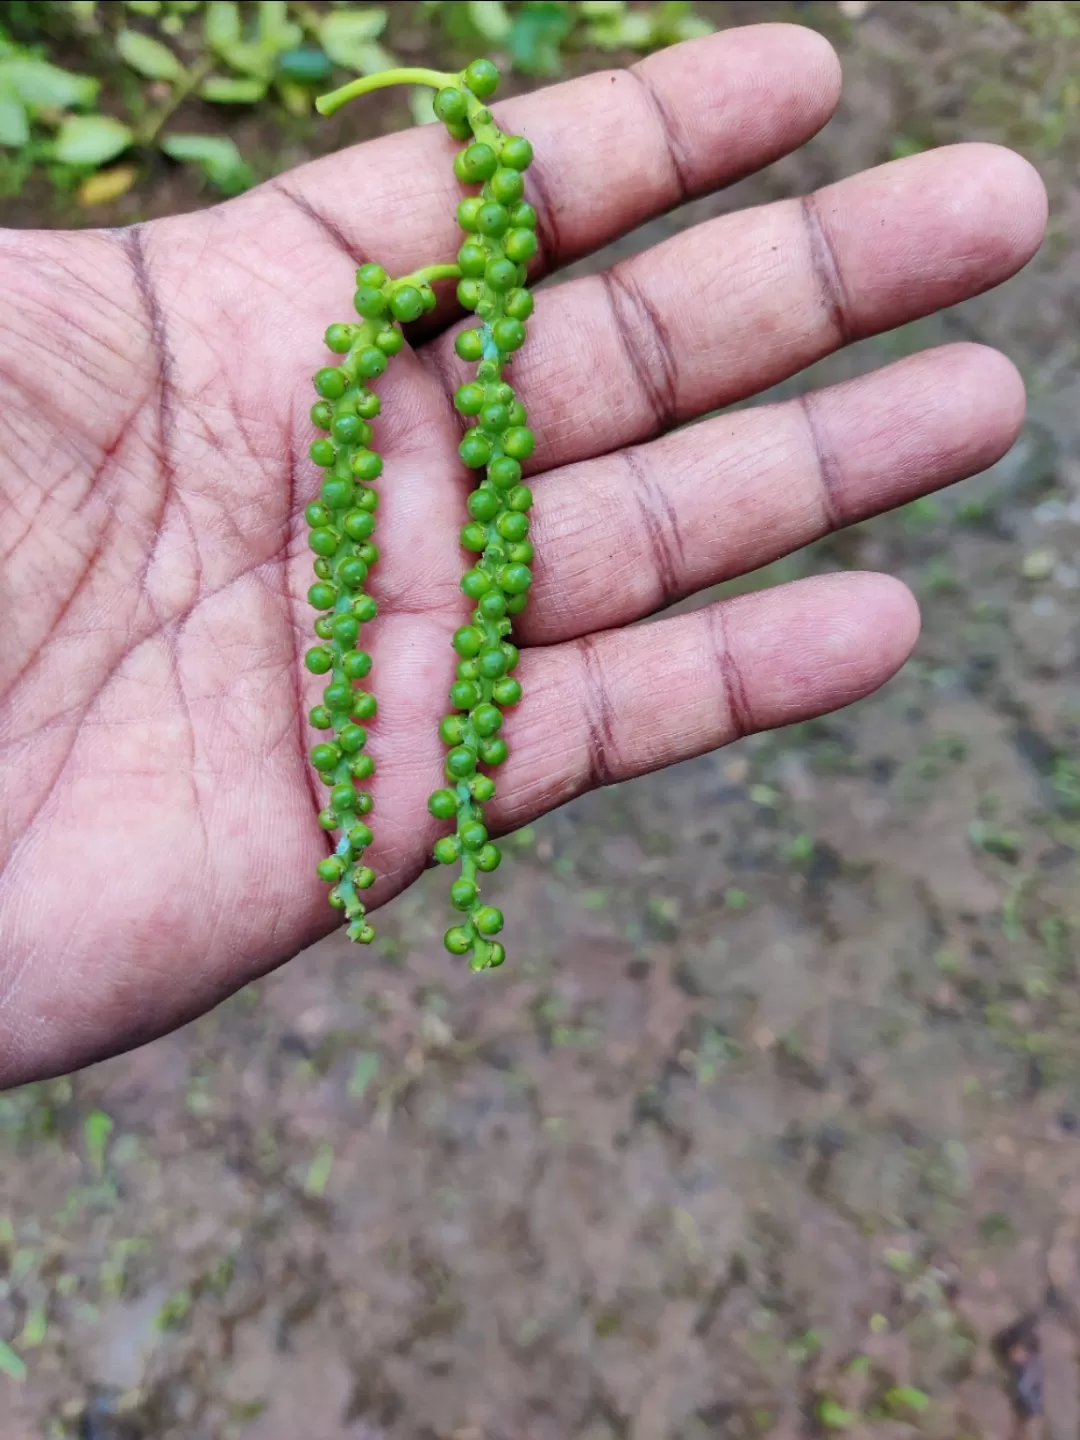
x=772, y=1126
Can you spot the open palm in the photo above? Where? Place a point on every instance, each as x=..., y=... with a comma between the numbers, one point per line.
x=158, y=834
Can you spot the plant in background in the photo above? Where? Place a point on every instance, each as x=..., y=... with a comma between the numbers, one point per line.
x=158, y=55
x=491, y=270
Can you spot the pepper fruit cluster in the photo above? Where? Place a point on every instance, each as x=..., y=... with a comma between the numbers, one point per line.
x=491, y=270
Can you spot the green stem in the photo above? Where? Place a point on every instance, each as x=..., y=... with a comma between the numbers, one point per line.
x=404, y=75
x=189, y=81
x=435, y=272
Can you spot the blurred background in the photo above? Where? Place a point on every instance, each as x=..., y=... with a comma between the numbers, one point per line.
x=772, y=1125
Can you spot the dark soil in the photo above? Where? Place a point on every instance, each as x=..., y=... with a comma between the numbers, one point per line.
x=772, y=1126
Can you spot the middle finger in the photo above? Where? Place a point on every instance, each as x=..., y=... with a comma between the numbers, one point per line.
x=739, y=303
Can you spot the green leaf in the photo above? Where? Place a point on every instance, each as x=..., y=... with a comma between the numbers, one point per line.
x=491, y=18
x=10, y=1364
x=215, y=155
x=41, y=86
x=309, y=65
x=365, y=1069
x=91, y=140
x=318, y=1174
x=536, y=37
x=276, y=31
x=14, y=121
x=149, y=8
x=97, y=1127
x=221, y=25
x=348, y=38
x=148, y=56
x=233, y=90
x=83, y=10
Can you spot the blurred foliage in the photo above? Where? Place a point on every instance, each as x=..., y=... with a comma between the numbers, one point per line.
x=139, y=61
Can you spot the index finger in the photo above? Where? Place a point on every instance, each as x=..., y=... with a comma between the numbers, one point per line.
x=611, y=150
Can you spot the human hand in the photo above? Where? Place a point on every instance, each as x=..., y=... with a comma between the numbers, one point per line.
x=158, y=838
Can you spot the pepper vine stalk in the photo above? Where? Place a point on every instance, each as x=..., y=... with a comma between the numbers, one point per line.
x=492, y=272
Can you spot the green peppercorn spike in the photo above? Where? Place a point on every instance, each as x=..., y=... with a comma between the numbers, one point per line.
x=499, y=240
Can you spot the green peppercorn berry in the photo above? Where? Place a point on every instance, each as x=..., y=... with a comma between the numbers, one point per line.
x=515, y=579
x=363, y=877
x=328, y=820
x=468, y=641
x=469, y=294
x=322, y=452
x=516, y=152
x=486, y=720
x=356, y=664
x=361, y=767
x=324, y=627
x=508, y=334
x=330, y=383
x=494, y=751
x=487, y=371
x=321, y=596
x=520, y=498
x=458, y=940
x=339, y=338
x=450, y=106
x=469, y=345
x=368, y=405
x=443, y=804
x=368, y=552
x=464, y=694
x=468, y=670
x=507, y=186
x=360, y=836
x=523, y=217
x=352, y=738
x=474, y=537
x=460, y=762
x=369, y=302
x=367, y=499
x=343, y=798
x=475, y=163
x=492, y=663
x=447, y=849
x=512, y=525
x=496, y=955
x=518, y=304
x=493, y=605
x=516, y=604
x=462, y=894
x=475, y=449
x=494, y=418
x=467, y=211
x=365, y=706
x=504, y=472
x=492, y=220
x=428, y=296
x=500, y=275
x=451, y=729
x=366, y=465
x=483, y=788
x=325, y=757
x=406, y=304
x=469, y=399
x=370, y=362
x=319, y=660
x=345, y=628
x=365, y=609
x=520, y=246
x=322, y=415
x=482, y=78
x=371, y=274
x=320, y=718
x=472, y=259
x=475, y=583
x=323, y=569
x=488, y=858
x=352, y=573
x=483, y=504
x=488, y=921
x=336, y=899
x=336, y=492
x=364, y=802
x=522, y=553
x=506, y=692
x=390, y=341
x=331, y=869
x=337, y=695
x=517, y=413
x=472, y=835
